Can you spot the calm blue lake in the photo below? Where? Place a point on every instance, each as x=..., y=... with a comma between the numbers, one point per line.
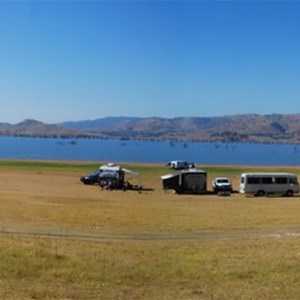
x=146, y=151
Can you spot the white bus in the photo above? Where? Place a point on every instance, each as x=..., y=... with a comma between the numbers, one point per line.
x=260, y=184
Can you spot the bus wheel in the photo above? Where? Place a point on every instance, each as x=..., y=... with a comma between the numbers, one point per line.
x=289, y=193
x=260, y=193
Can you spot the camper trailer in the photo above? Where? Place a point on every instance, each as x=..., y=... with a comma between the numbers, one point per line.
x=110, y=176
x=186, y=182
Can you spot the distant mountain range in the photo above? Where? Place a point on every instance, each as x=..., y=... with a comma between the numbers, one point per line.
x=236, y=128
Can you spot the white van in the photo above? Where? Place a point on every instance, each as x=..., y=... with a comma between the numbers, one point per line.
x=260, y=184
x=180, y=165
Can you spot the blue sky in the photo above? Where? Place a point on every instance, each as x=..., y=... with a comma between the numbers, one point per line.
x=78, y=60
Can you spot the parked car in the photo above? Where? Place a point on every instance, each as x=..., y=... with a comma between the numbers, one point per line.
x=92, y=178
x=221, y=184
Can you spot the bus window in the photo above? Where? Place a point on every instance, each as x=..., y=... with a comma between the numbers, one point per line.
x=281, y=180
x=253, y=180
x=267, y=180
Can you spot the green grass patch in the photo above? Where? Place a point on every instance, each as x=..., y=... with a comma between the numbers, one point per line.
x=141, y=168
x=46, y=165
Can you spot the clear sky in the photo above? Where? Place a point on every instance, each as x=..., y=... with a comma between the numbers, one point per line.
x=78, y=60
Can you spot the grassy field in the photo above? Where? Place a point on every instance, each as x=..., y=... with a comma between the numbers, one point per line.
x=60, y=239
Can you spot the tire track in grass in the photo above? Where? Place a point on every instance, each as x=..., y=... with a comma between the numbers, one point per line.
x=203, y=236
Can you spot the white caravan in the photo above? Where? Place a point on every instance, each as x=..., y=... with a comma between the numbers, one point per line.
x=260, y=184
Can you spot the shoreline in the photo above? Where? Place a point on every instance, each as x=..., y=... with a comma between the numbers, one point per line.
x=146, y=164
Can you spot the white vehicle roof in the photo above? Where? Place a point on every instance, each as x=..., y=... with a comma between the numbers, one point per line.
x=222, y=178
x=193, y=171
x=110, y=168
x=268, y=174
x=114, y=168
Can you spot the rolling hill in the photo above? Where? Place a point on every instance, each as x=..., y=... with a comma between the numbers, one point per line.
x=236, y=128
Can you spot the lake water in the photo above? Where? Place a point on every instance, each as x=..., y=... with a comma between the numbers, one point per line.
x=149, y=151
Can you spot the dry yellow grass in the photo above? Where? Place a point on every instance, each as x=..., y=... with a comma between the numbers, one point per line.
x=61, y=239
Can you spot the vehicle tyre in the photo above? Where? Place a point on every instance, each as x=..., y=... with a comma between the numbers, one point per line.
x=260, y=193
x=289, y=193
